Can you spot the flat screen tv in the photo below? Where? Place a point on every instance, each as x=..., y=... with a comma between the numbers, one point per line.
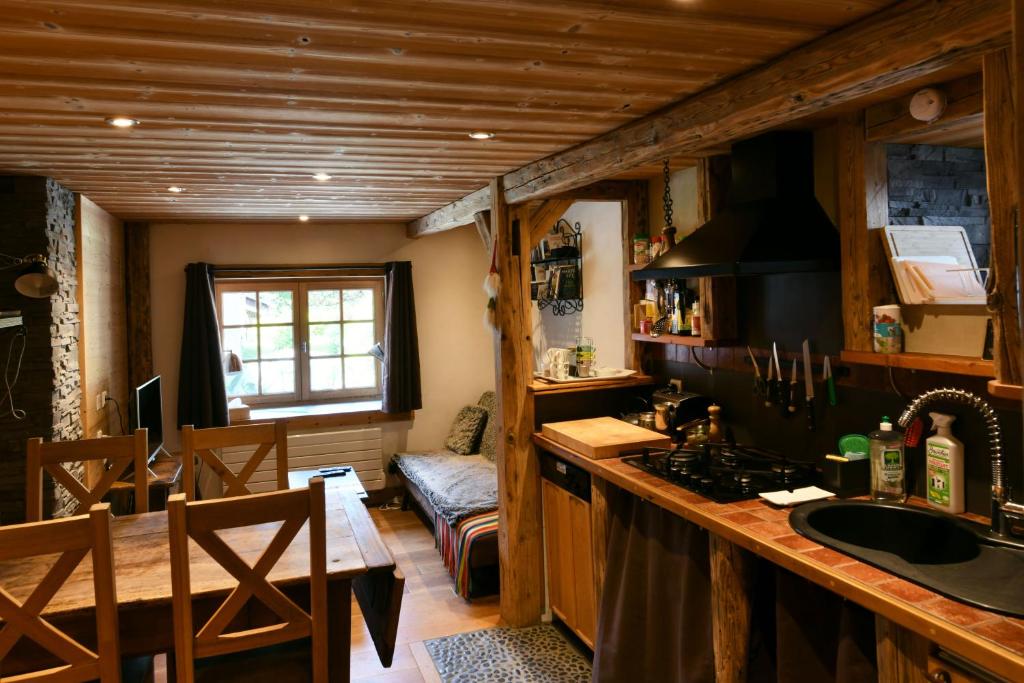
x=148, y=411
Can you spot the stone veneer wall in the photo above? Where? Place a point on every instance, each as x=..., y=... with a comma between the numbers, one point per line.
x=931, y=185
x=37, y=215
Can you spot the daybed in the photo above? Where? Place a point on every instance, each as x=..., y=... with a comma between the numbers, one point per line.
x=456, y=488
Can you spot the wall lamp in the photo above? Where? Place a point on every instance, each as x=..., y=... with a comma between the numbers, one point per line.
x=36, y=280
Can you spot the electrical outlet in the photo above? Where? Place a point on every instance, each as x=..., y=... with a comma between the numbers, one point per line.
x=676, y=384
x=101, y=400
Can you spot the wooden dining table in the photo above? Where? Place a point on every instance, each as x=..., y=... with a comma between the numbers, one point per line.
x=356, y=557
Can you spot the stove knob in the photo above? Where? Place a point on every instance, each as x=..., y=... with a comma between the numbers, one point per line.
x=706, y=483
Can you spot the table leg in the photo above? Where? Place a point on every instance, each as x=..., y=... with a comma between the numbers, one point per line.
x=339, y=630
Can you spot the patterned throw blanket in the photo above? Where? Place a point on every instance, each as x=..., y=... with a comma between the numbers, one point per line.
x=456, y=546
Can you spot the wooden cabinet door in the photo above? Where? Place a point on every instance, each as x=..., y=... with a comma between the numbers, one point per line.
x=558, y=551
x=583, y=570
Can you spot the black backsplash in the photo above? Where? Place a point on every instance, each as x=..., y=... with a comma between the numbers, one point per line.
x=859, y=410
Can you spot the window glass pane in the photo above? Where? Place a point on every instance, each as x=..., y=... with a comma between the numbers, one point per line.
x=244, y=383
x=325, y=374
x=358, y=304
x=358, y=338
x=324, y=305
x=360, y=372
x=275, y=307
x=241, y=340
x=238, y=308
x=277, y=342
x=278, y=377
x=325, y=340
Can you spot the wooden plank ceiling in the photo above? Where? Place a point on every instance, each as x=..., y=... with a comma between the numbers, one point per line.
x=241, y=103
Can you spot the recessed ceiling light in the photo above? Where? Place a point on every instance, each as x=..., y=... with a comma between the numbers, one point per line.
x=321, y=177
x=303, y=218
x=176, y=189
x=122, y=122
x=481, y=135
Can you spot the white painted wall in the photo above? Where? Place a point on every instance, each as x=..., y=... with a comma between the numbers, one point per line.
x=456, y=351
x=602, y=316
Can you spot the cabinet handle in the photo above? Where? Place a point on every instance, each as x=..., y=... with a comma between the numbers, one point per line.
x=940, y=676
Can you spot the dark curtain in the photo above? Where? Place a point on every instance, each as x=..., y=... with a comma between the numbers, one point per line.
x=820, y=636
x=202, y=398
x=401, y=347
x=655, y=617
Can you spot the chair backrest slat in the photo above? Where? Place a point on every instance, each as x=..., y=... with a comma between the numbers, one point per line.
x=201, y=521
x=120, y=453
x=73, y=538
x=201, y=443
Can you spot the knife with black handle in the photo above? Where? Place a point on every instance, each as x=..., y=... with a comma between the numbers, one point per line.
x=808, y=386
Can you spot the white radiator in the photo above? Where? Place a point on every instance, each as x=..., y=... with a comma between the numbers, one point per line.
x=360, y=448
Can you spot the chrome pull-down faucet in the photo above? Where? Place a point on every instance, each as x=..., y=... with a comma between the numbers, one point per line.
x=1007, y=516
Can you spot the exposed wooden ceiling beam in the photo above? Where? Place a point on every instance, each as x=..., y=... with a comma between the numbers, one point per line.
x=454, y=215
x=891, y=121
x=903, y=42
x=899, y=44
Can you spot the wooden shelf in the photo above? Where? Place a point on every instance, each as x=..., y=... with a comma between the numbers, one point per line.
x=677, y=339
x=1012, y=392
x=956, y=365
x=538, y=386
x=11, y=321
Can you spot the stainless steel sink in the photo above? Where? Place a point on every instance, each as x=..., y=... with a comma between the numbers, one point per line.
x=949, y=555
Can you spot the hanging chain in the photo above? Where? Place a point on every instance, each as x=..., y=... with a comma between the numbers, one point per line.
x=668, y=195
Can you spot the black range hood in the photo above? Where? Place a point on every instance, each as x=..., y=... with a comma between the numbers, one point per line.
x=772, y=222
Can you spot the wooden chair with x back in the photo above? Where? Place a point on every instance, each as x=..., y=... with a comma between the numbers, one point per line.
x=210, y=653
x=202, y=442
x=118, y=451
x=71, y=539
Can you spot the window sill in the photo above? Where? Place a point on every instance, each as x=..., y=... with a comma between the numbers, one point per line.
x=326, y=415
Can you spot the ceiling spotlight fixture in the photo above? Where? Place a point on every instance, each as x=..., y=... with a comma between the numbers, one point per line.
x=321, y=177
x=122, y=122
x=176, y=189
x=304, y=218
x=481, y=135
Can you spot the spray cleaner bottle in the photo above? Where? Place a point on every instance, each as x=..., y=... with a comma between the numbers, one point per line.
x=944, y=455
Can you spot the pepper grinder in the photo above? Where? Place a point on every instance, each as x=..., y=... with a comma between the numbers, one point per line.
x=715, y=426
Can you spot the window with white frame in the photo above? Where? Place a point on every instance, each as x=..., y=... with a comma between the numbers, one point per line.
x=302, y=340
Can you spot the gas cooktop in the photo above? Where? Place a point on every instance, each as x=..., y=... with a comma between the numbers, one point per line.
x=724, y=473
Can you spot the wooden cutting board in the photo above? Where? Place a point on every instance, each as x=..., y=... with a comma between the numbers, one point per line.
x=602, y=437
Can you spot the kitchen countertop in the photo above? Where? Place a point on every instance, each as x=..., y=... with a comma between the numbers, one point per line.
x=991, y=640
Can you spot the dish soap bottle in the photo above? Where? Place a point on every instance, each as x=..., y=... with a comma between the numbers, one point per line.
x=888, y=467
x=944, y=455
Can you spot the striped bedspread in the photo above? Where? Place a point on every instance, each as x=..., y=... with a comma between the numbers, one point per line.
x=456, y=545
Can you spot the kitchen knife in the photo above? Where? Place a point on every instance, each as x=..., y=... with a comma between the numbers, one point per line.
x=757, y=373
x=792, y=389
x=779, y=387
x=808, y=386
x=769, y=386
x=830, y=383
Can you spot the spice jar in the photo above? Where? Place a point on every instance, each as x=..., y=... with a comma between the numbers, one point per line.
x=641, y=250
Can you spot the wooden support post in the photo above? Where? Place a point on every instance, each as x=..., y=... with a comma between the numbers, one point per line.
x=717, y=294
x=137, y=295
x=1001, y=174
x=1017, y=73
x=902, y=655
x=545, y=216
x=863, y=199
x=731, y=585
x=519, y=494
x=634, y=222
x=482, y=219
